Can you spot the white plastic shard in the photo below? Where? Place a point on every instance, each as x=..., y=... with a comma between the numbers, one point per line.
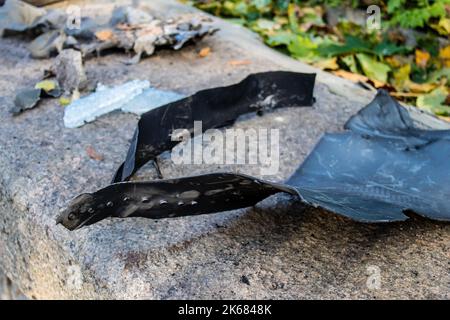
x=135, y=96
x=149, y=99
x=101, y=102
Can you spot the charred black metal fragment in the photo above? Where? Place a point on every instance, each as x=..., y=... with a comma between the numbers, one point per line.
x=216, y=107
x=169, y=198
x=390, y=160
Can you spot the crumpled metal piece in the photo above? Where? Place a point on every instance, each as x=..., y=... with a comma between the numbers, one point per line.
x=85, y=32
x=18, y=16
x=29, y=98
x=129, y=15
x=136, y=30
x=26, y=99
x=390, y=161
x=47, y=44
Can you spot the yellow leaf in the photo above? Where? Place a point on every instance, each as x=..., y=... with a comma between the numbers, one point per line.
x=422, y=58
x=401, y=78
x=376, y=71
x=351, y=76
x=405, y=94
x=402, y=82
x=46, y=85
x=422, y=87
x=443, y=26
x=378, y=84
x=444, y=54
x=327, y=64
x=64, y=101
x=394, y=61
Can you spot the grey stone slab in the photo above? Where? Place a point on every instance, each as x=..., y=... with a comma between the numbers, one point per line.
x=284, y=249
x=8, y=290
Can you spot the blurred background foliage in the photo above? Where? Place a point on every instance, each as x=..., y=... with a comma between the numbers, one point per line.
x=409, y=55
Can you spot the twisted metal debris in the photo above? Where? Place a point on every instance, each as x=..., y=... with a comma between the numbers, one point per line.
x=391, y=160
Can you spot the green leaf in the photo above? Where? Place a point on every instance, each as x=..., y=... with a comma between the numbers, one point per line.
x=238, y=21
x=350, y=62
x=263, y=25
x=303, y=48
x=293, y=19
x=281, y=38
x=386, y=48
x=433, y=102
x=235, y=9
x=352, y=45
x=312, y=16
x=372, y=68
x=393, y=5
x=438, y=74
x=418, y=16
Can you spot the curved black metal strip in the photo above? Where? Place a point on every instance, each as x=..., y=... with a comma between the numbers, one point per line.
x=215, y=107
x=216, y=192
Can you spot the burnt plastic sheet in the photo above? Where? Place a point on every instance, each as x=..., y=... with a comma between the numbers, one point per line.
x=390, y=160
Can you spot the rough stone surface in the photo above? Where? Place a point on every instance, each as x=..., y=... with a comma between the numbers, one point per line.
x=281, y=248
x=8, y=291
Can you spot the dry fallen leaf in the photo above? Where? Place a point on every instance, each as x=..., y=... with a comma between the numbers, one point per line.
x=405, y=94
x=355, y=77
x=104, y=35
x=327, y=64
x=395, y=61
x=204, y=52
x=422, y=58
x=375, y=70
x=239, y=62
x=402, y=82
x=444, y=54
x=378, y=84
x=422, y=87
x=93, y=154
